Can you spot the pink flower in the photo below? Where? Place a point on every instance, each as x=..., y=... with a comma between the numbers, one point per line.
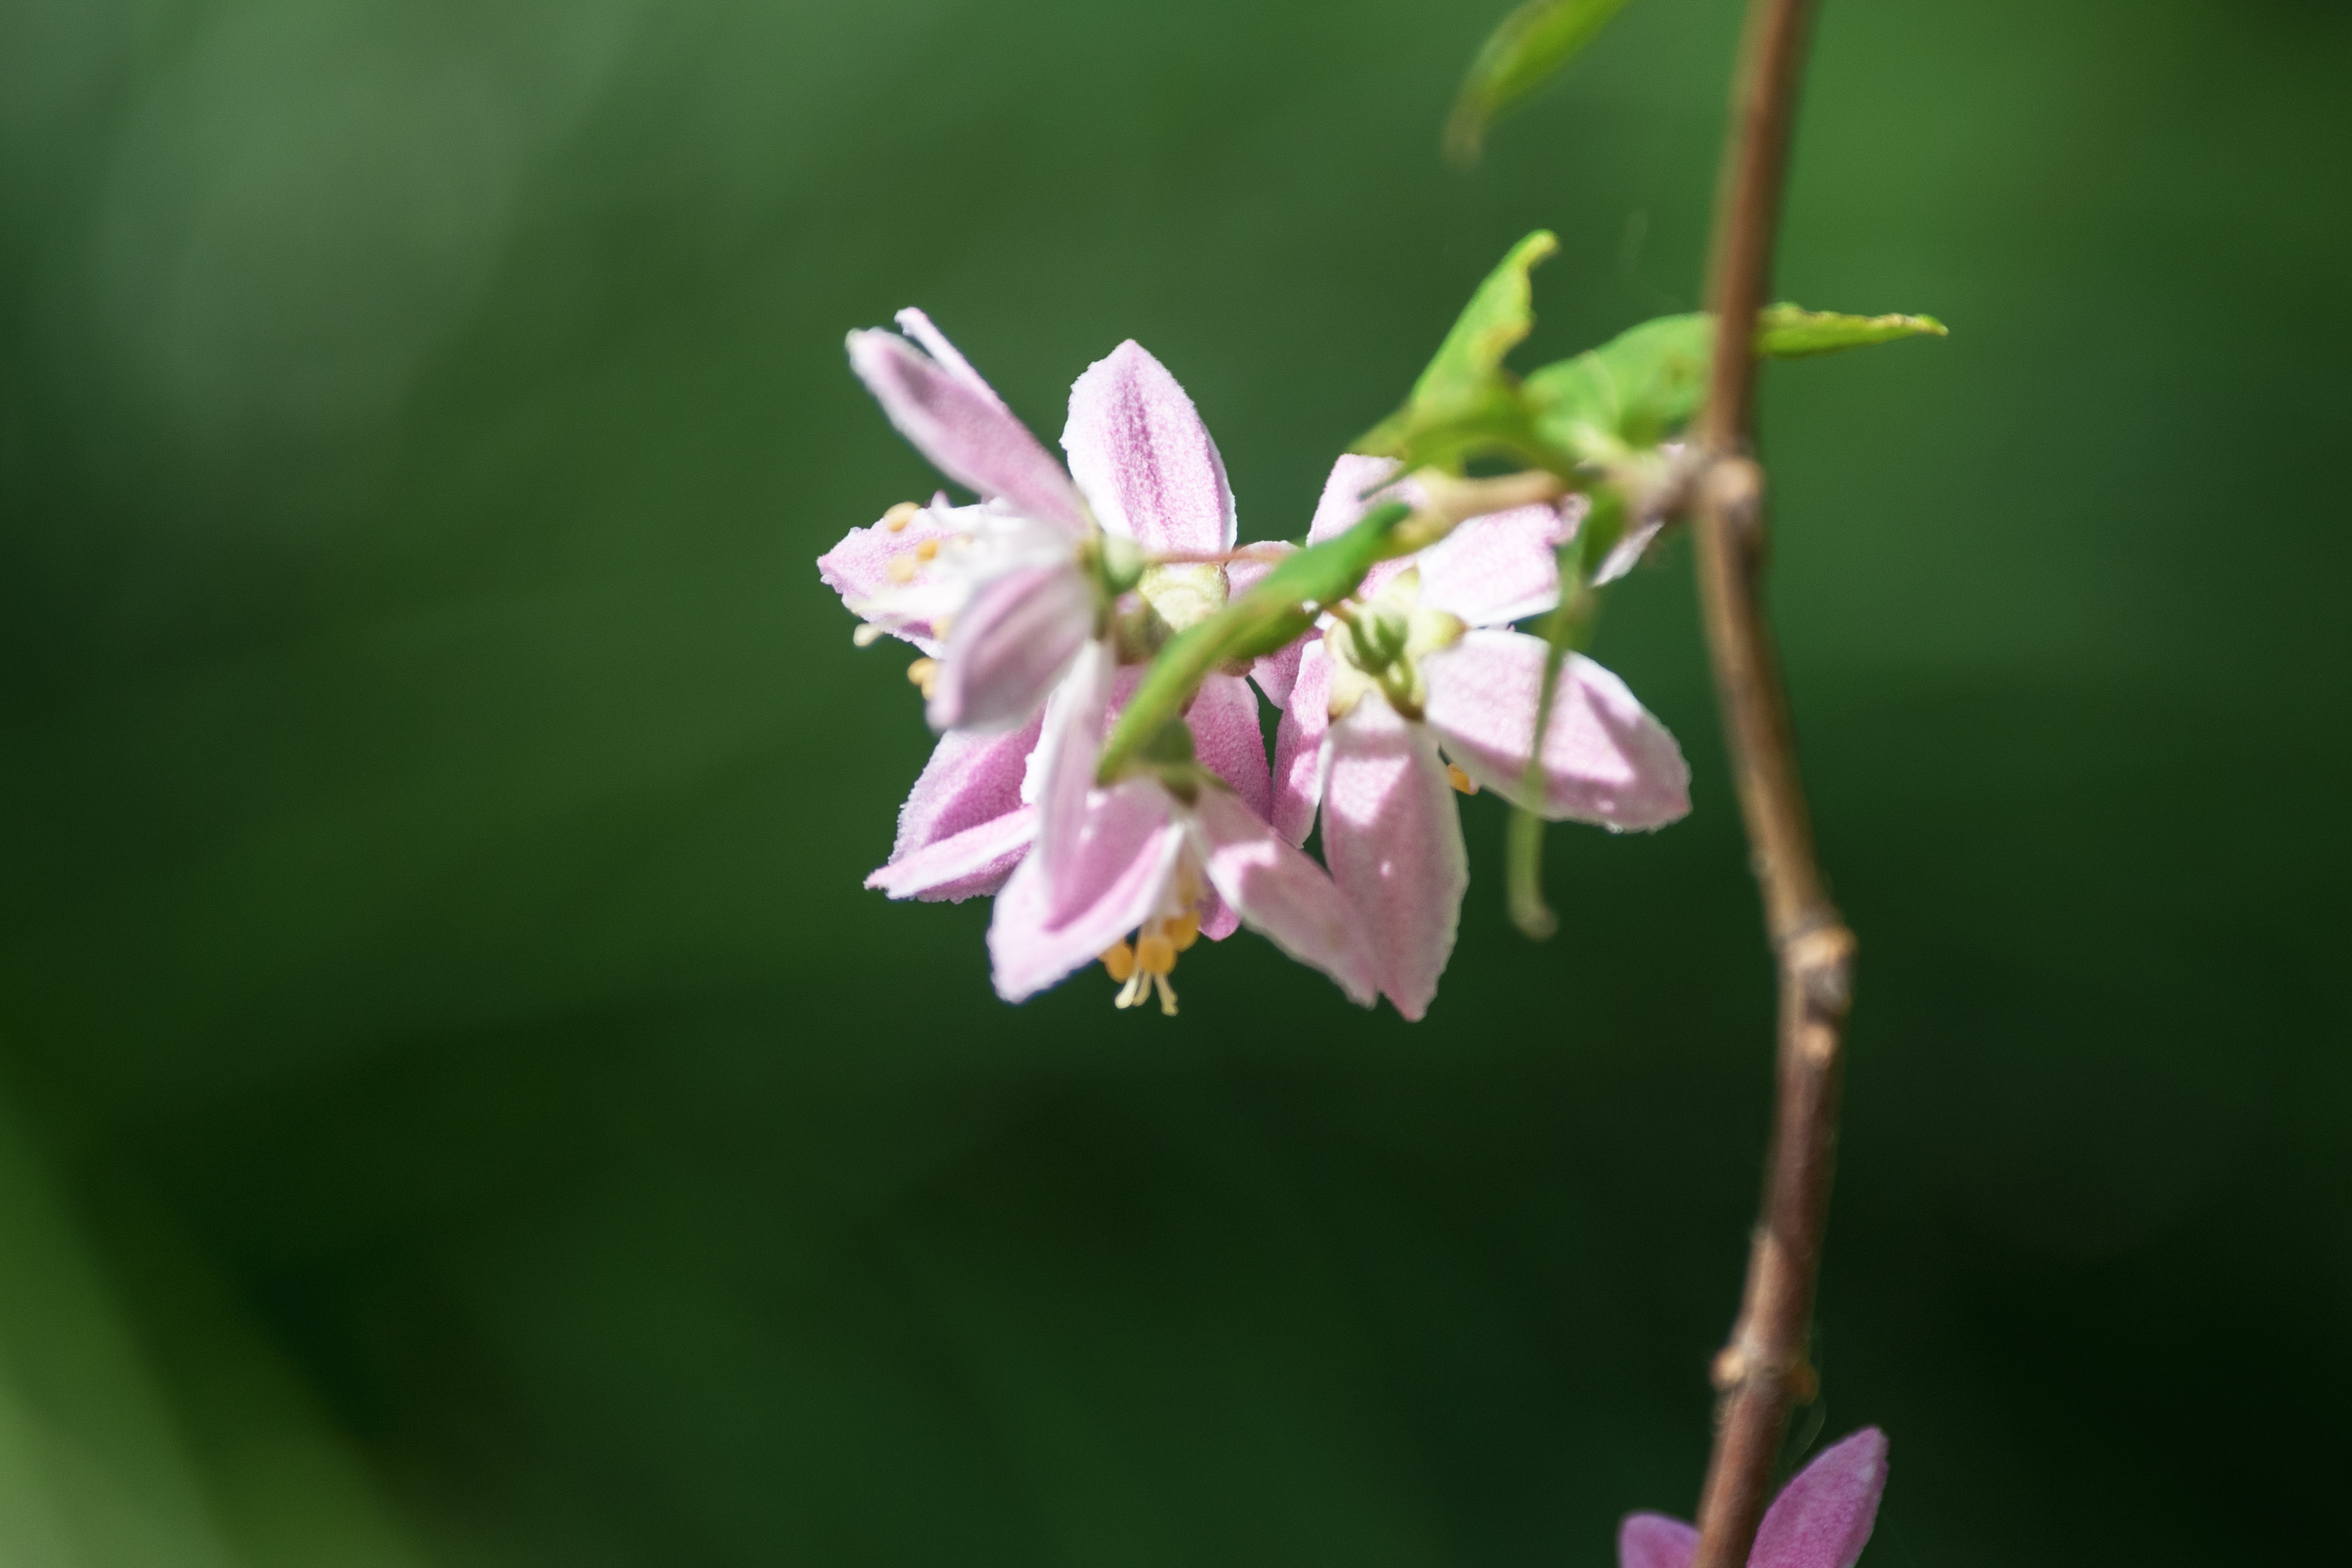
x=1820, y=1520
x=1003, y=593
x=1161, y=862
x=1422, y=669
x=1151, y=478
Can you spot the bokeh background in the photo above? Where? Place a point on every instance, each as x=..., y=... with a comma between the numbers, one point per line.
x=457, y=1106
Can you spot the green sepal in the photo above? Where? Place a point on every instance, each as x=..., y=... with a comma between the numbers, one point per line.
x=1529, y=45
x=1258, y=623
x=1791, y=331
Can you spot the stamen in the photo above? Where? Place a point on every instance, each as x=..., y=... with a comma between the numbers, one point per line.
x=1119, y=959
x=1155, y=955
x=1183, y=930
x=925, y=674
x=867, y=634
x=897, y=519
x=1138, y=986
x=1167, y=995
x=902, y=569
x=928, y=550
x=1460, y=780
x=940, y=626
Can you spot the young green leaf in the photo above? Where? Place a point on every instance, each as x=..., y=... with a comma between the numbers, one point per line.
x=1258, y=623
x=1635, y=390
x=1532, y=42
x=1465, y=401
x=1790, y=332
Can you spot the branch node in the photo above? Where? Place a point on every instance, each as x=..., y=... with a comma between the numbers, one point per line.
x=1821, y=962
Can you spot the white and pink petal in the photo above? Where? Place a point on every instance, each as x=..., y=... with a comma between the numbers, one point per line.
x=1393, y=837
x=952, y=418
x=1140, y=451
x=1606, y=758
x=1280, y=894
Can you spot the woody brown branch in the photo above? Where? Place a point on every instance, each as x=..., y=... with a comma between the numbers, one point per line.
x=1764, y=1370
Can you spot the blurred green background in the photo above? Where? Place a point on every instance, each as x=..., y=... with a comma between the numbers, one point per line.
x=457, y=1106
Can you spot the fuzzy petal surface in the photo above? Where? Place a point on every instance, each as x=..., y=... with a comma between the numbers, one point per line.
x=1062, y=769
x=1228, y=741
x=1011, y=645
x=858, y=568
x=1140, y=451
x=964, y=428
x=1120, y=863
x=1393, y=837
x=1299, y=744
x=1343, y=506
x=1823, y=1518
x=1281, y=893
x=972, y=782
x=1275, y=672
x=966, y=865
x=1653, y=1541
x=1606, y=758
x=1496, y=569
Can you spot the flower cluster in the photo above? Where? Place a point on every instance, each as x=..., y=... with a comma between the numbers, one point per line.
x=1037, y=610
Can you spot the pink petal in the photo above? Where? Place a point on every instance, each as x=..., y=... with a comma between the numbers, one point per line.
x=1823, y=1518
x=1062, y=769
x=1244, y=572
x=963, y=428
x=858, y=568
x=963, y=865
x=1140, y=452
x=1011, y=645
x=1496, y=569
x=1299, y=744
x=1122, y=860
x=972, y=783
x=1219, y=920
x=1393, y=838
x=1653, y=1541
x=1628, y=552
x=1606, y=759
x=917, y=326
x=970, y=779
x=1227, y=739
x=1276, y=671
x=1280, y=892
x=1343, y=506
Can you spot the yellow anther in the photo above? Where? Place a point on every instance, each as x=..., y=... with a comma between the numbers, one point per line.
x=924, y=673
x=1183, y=930
x=940, y=626
x=897, y=519
x=928, y=550
x=903, y=568
x=1460, y=780
x=1119, y=959
x=1155, y=954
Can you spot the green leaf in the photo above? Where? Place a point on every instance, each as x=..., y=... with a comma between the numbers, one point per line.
x=1635, y=390
x=1465, y=401
x=1258, y=623
x=1790, y=332
x=1645, y=383
x=1532, y=42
